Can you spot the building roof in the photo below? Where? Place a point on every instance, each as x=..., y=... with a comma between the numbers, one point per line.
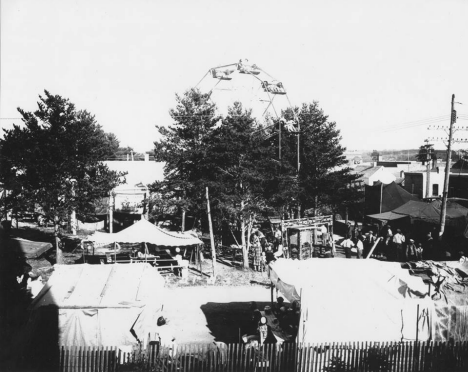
x=144, y=172
x=366, y=170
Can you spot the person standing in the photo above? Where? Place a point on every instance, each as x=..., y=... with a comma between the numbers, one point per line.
x=166, y=337
x=257, y=252
x=278, y=236
x=419, y=252
x=360, y=248
x=429, y=247
x=261, y=238
x=411, y=252
x=324, y=233
x=398, y=241
x=356, y=230
x=349, y=230
x=347, y=244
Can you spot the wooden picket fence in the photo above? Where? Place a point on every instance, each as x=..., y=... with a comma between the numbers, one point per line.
x=351, y=357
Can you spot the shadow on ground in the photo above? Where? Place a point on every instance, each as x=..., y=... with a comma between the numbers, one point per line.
x=227, y=322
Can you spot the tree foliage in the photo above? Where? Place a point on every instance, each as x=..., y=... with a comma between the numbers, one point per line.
x=426, y=152
x=53, y=160
x=183, y=148
x=239, y=161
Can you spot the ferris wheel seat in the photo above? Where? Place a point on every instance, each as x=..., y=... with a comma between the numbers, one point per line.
x=250, y=71
x=222, y=75
x=278, y=92
x=274, y=90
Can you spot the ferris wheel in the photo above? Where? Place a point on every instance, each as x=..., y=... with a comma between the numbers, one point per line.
x=250, y=85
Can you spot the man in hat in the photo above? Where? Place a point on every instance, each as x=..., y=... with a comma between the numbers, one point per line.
x=411, y=252
x=398, y=241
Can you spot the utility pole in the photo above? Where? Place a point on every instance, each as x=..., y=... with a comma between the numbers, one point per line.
x=298, y=165
x=453, y=118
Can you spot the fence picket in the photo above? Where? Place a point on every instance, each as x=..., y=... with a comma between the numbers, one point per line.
x=414, y=356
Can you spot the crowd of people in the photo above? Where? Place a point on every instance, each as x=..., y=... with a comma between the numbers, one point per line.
x=392, y=244
x=263, y=252
x=276, y=323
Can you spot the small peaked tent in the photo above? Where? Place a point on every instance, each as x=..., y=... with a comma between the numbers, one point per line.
x=353, y=300
x=97, y=305
x=144, y=231
x=382, y=198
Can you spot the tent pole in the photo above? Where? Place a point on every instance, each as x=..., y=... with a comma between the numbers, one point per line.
x=417, y=323
x=199, y=259
x=372, y=249
x=271, y=285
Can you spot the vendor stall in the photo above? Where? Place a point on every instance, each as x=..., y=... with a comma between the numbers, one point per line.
x=309, y=237
x=105, y=248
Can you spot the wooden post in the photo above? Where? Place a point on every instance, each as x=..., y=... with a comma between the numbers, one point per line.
x=58, y=248
x=213, y=250
x=111, y=212
x=443, y=208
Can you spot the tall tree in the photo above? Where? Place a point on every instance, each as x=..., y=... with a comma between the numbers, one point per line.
x=235, y=167
x=426, y=153
x=323, y=176
x=53, y=160
x=182, y=147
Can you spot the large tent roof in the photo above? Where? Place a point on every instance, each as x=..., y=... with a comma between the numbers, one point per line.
x=352, y=300
x=144, y=231
x=386, y=197
x=424, y=211
x=97, y=305
x=101, y=286
x=387, y=216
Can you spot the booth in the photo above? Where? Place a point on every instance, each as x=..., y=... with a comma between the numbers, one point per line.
x=309, y=237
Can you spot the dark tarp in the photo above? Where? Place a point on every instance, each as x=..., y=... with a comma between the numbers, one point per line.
x=387, y=216
x=429, y=212
x=28, y=248
x=382, y=198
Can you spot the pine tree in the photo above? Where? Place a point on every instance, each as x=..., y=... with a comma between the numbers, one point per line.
x=53, y=161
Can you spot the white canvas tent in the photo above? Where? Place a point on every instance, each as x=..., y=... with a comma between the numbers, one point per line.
x=354, y=300
x=100, y=305
x=144, y=231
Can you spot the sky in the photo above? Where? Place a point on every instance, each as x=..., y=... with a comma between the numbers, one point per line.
x=382, y=70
